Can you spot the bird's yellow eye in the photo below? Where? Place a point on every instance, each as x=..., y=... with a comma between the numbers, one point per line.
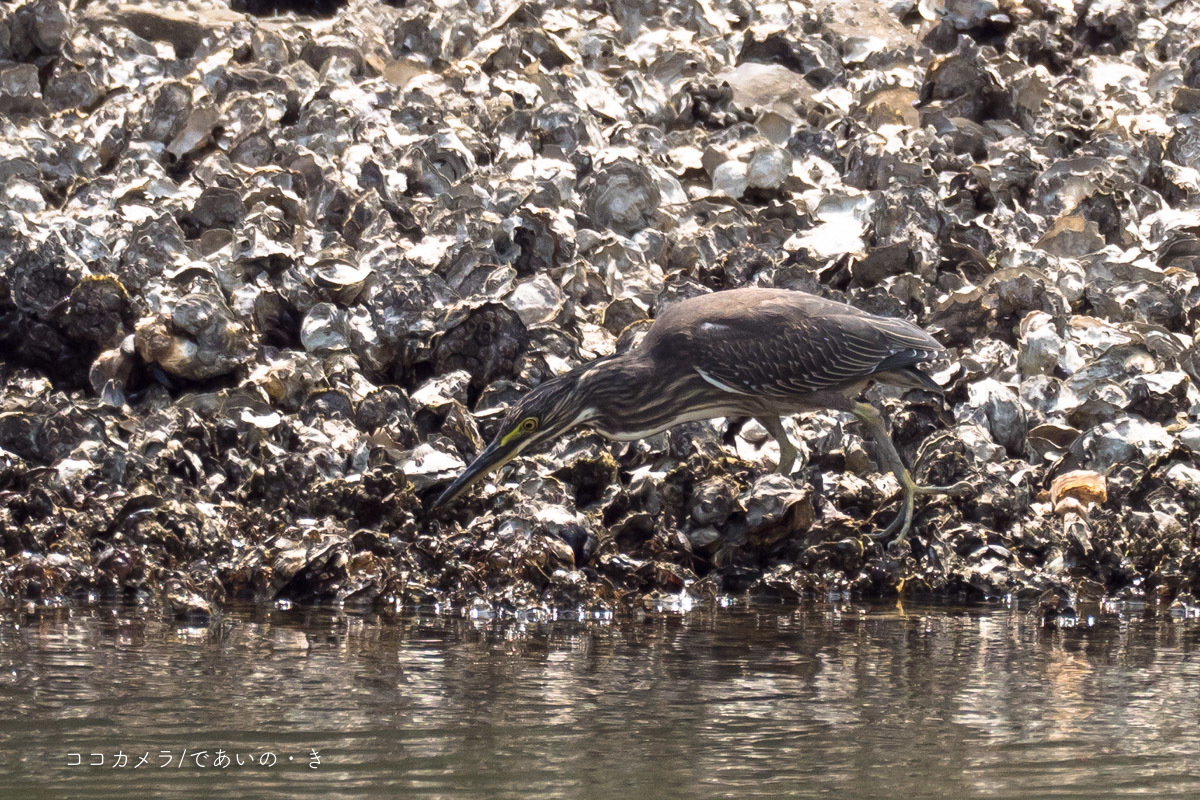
x=526, y=427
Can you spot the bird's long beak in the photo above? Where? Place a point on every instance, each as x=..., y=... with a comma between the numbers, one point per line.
x=492, y=457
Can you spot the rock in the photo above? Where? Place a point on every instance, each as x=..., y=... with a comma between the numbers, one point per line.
x=771, y=87
x=197, y=339
x=182, y=29
x=997, y=408
x=20, y=89
x=1042, y=348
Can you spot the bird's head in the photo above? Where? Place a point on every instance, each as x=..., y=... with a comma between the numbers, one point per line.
x=552, y=409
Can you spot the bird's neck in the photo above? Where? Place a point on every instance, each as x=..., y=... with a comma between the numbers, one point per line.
x=609, y=380
x=625, y=395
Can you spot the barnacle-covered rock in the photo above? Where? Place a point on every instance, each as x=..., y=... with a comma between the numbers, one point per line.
x=98, y=311
x=41, y=277
x=486, y=343
x=267, y=283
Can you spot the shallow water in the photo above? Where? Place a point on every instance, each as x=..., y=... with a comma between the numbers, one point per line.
x=816, y=702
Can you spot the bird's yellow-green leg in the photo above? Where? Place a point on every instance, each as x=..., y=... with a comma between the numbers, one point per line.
x=889, y=458
x=787, y=450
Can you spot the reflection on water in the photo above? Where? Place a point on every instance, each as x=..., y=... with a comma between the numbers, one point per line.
x=813, y=702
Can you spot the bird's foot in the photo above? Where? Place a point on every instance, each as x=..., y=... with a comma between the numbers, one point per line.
x=954, y=490
x=787, y=450
x=888, y=457
x=902, y=524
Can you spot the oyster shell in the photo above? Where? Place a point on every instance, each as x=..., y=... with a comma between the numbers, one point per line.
x=197, y=338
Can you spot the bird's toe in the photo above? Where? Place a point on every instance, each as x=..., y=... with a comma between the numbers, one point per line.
x=954, y=490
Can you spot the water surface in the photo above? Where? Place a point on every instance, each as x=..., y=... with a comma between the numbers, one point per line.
x=819, y=701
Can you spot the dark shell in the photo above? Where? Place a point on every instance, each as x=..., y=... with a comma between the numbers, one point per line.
x=487, y=344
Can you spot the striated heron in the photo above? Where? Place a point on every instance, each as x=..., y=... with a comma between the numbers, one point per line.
x=761, y=353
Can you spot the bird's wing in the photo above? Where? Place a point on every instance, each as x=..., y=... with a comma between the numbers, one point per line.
x=792, y=354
